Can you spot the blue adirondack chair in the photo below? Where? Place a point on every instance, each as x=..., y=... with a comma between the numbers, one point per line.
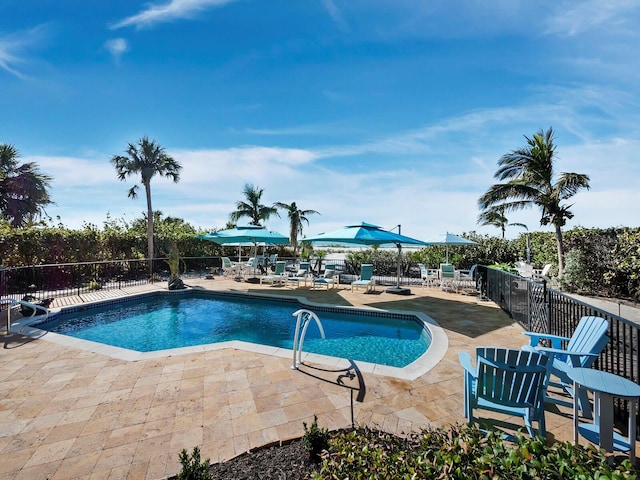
x=508, y=381
x=366, y=278
x=581, y=350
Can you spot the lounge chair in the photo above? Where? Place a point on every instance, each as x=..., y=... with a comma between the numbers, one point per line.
x=277, y=277
x=508, y=381
x=227, y=267
x=467, y=278
x=365, y=280
x=448, y=277
x=524, y=269
x=542, y=274
x=429, y=277
x=301, y=276
x=330, y=278
x=581, y=350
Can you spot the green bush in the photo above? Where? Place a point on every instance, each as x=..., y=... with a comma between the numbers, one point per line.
x=315, y=439
x=192, y=466
x=462, y=452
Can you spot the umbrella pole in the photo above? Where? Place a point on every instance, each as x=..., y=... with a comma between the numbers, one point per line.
x=398, y=290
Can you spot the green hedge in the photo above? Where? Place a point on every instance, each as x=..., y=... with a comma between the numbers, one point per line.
x=601, y=261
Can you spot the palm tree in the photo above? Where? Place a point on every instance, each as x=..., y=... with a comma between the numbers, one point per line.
x=148, y=159
x=495, y=217
x=531, y=180
x=296, y=218
x=23, y=189
x=252, y=208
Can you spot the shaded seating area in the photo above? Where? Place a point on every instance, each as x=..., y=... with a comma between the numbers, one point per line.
x=580, y=350
x=365, y=279
x=507, y=381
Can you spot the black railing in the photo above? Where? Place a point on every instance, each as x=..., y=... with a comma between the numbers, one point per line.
x=59, y=280
x=541, y=309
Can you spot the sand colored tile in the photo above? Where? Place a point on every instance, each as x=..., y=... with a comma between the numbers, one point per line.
x=66, y=412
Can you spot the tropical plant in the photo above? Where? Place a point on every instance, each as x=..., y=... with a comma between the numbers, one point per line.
x=24, y=190
x=296, y=218
x=251, y=207
x=531, y=180
x=495, y=217
x=148, y=159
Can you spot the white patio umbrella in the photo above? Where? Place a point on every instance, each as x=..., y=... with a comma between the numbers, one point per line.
x=368, y=234
x=447, y=239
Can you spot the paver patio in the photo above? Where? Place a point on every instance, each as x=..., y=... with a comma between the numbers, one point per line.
x=67, y=413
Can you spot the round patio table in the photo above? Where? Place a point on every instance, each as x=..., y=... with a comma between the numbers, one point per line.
x=605, y=386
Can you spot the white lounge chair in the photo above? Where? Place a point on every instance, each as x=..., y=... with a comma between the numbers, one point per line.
x=365, y=280
x=448, y=277
x=330, y=278
x=277, y=277
x=429, y=276
x=302, y=275
x=467, y=278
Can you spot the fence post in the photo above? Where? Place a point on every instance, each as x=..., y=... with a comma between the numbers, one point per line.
x=547, y=302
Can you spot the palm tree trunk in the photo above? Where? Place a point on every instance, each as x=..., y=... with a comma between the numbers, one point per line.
x=560, y=250
x=147, y=189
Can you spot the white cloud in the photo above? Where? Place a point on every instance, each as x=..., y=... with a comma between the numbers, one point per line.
x=116, y=47
x=336, y=15
x=573, y=18
x=167, y=12
x=12, y=49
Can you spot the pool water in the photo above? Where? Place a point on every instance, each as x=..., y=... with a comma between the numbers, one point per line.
x=174, y=321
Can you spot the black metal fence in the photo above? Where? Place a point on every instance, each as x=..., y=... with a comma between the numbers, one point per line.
x=59, y=280
x=541, y=309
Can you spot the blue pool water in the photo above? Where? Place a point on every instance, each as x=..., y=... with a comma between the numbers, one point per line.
x=163, y=322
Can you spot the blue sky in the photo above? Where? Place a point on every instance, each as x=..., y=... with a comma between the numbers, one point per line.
x=385, y=111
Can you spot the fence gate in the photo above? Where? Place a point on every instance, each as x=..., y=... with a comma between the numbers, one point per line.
x=538, y=309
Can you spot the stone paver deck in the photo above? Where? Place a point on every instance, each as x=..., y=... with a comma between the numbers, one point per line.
x=67, y=413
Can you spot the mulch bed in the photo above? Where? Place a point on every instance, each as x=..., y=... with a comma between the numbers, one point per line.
x=286, y=461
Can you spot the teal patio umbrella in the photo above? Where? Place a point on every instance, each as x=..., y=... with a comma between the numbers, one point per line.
x=447, y=239
x=369, y=235
x=247, y=235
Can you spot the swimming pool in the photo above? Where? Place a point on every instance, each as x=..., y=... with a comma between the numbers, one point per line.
x=162, y=321
x=430, y=330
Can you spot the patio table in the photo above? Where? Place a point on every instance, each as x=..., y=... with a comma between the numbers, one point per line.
x=605, y=386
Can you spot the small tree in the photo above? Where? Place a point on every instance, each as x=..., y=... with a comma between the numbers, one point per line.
x=148, y=159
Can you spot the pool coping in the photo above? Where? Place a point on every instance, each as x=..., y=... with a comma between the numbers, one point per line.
x=434, y=354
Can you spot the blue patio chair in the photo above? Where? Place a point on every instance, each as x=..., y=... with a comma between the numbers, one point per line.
x=277, y=277
x=507, y=381
x=302, y=276
x=330, y=278
x=581, y=350
x=365, y=280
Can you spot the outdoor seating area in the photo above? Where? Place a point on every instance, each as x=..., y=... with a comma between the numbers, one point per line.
x=454, y=390
x=121, y=415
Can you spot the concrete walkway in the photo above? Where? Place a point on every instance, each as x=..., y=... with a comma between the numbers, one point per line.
x=67, y=413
